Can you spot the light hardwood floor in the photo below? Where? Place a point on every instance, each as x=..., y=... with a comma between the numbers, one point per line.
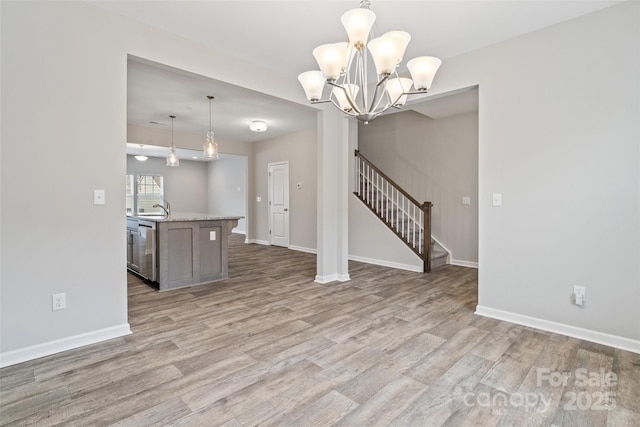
x=271, y=347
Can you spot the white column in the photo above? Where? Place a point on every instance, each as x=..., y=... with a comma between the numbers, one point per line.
x=333, y=191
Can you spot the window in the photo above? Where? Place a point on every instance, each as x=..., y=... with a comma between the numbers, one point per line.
x=129, y=194
x=144, y=191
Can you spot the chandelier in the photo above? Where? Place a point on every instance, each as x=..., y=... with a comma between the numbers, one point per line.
x=210, y=145
x=345, y=67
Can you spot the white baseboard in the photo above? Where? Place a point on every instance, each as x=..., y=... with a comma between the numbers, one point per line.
x=562, y=329
x=462, y=263
x=257, y=242
x=303, y=249
x=45, y=349
x=384, y=263
x=332, y=278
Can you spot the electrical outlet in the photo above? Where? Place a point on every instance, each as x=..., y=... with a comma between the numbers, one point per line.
x=58, y=301
x=579, y=295
x=98, y=197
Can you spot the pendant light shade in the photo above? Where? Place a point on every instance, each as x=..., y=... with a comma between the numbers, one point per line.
x=396, y=88
x=405, y=39
x=331, y=59
x=358, y=23
x=141, y=157
x=385, y=51
x=210, y=145
x=172, y=157
x=313, y=83
x=423, y=69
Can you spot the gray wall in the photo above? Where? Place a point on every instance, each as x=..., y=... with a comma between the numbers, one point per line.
x=299, y=149
x=227, y=183
x=80, y=102
x=558, y=138
x=185, y=187
x=436, y=161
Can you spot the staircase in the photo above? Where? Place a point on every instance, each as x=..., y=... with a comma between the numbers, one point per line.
x=404, y=215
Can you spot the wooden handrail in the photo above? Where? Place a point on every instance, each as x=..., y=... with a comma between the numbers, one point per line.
x=384, y=175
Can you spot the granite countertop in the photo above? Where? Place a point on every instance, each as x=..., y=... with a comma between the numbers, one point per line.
x=185, y=216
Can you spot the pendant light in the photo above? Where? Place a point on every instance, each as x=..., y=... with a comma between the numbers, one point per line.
x=141, y=157
x=210, y=145
x=172, y=157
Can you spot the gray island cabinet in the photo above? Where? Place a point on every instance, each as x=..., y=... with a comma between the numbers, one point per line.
x=190, y=249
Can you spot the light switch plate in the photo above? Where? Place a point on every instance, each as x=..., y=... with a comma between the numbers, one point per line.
x=258, y=199
x=497, y=199
x=466, y=200
x=212, y=235
x=98, y=197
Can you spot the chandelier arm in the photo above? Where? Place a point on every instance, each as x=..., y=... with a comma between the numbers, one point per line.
x=363, y=78
x=322, y=101
x=377, y=111
x=346, y=93
x=374, y=105
x=421, y=92
x=375, y=95
x=347, y=75
x=349, y=113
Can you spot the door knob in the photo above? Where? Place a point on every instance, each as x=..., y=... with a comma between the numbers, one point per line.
x=286, y=210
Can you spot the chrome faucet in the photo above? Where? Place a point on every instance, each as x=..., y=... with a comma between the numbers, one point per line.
x=166, y=210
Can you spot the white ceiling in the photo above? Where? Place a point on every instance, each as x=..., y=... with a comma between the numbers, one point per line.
x=281, y=35
x=155, y=91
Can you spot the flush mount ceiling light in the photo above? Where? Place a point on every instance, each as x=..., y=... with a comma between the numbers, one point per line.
x=344, y=66
x=210, y=145
x=172, y=157
x=141, y=157
x=258, y=126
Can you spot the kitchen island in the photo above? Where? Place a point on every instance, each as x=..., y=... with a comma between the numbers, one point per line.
x=181, y=249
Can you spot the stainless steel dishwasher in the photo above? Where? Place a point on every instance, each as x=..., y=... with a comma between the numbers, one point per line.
x=147, y=249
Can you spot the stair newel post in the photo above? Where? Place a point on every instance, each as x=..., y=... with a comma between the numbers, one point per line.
x=358, y=178
x=426, y=242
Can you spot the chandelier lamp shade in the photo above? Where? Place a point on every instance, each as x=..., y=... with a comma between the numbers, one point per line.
x=348, y=69
x=210, y=145
x=172, y=157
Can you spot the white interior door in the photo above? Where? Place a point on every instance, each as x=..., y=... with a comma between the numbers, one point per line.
x=279, y=204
